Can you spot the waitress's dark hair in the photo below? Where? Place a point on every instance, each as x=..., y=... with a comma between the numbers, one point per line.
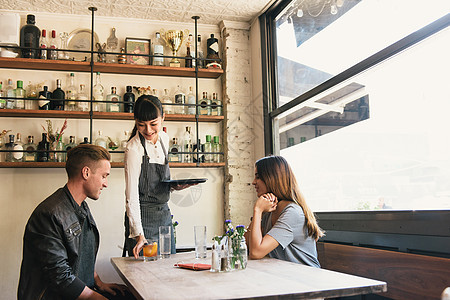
x=146, y=108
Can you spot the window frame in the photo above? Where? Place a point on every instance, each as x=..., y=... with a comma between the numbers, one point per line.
x=421, y=232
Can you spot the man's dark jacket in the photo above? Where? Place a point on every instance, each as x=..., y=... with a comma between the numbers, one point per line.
x=51, y=249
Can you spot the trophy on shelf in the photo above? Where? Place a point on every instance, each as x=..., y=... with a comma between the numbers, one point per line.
x=174, y=39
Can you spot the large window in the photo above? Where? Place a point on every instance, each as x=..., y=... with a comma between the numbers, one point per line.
x=361, y=102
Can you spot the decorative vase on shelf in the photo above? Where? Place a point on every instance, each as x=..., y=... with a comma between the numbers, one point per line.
x=237, y=253
x=56, y=156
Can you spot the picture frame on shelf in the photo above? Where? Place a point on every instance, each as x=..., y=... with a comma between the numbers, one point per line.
x=138, y=46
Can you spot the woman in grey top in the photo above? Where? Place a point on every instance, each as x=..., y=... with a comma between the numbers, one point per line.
x=283, y=225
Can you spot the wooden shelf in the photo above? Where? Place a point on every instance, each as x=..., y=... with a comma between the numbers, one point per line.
x=98, y=115
x=113, y=165
x=78, y=66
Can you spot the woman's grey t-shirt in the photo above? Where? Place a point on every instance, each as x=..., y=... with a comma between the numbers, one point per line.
x=291, y=233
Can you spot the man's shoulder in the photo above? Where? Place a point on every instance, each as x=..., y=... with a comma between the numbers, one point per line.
x=55, y=203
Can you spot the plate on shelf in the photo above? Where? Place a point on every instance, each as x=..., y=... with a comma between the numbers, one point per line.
x=185, y=181
x=80, y=39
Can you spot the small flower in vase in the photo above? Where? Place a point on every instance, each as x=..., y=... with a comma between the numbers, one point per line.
x=174, y=224
x=55, y=140
x=237, y=248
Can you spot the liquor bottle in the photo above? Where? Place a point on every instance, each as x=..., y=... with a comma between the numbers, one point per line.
x=217, y=148
x=9, y=146
x=43, y=44
x=168, y=109
x=85, y=140
x=216, y=108
x=29, y=38
x=43, y=148
x=44, y=99
x=187, y=145
x=19, y=92
x=52, y=54
x=71, y=94
x=2, y=94
x=18, y=146
x=174, y=156
x=212, y=53
x=158, y=50
x=111, y=46
x=123, y=144
x=63, y=55
x=98, y=94
x=208, y=148
x=191, y=109
x=180, y=99
x=58, y=97
x=31, y=92
x=205, y=105
x=198, y=149
x=200, y=53
x=9, y=92
x=113, y=105
x=83, y=106
x=188, y=59
x=30, y=148
x=100, y=141
x=69, y=146
x=128, y=99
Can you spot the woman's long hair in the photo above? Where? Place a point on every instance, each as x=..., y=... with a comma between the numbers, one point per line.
x=276, y=173
x=146, y=108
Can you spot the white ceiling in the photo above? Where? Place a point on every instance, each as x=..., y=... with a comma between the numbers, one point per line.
x=209, y=11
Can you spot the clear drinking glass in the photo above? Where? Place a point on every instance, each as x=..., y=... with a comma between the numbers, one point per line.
x=200, y=241
x=165, y=238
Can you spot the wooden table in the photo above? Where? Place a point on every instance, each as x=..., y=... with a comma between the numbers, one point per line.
x=267, y=278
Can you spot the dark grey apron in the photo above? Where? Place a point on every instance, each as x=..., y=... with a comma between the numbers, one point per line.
x=153, y=198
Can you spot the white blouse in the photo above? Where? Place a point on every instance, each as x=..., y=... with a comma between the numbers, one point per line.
x=133, y=160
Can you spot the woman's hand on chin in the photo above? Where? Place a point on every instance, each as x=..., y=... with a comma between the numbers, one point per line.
x=266, y=203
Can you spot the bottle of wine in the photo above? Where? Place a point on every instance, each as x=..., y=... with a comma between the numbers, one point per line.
x=43, y=148
x=44, y=99
x=188, y=59
x=19, y=92
x=129, y=98
x=71, y=94
x=82, y=106
x=29, y=38
x=158, y=50
x=43, y=44
x=58, y=97
x=114, y=99
x=30, y=148
x=191, y=109
x=212, y=50
x=52, y=54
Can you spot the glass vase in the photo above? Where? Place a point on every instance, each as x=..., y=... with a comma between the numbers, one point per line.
x=56, y=156
x=237, y=254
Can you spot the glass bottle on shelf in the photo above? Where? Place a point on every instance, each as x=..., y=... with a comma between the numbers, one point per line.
x=43, y=148
x=205, y=105
x=58, y=97
x=63, y=55
x=19, y=92
x=9, y=92
x=198, y=149
x=180, y=100
x=83, y=106
x=98, y=94
x=123, y=143
x=208, y=148
x=2, y=94
x=168, y=109
x=59, y=155
x=29, y=38
x=85, y=140
x=113, y=144
x=31, y=92
x=216, y=106
x=212, y=52
x=18, y=146
x=9, y=146
x=30, y=147
x=69, y=146
x=187, y=145
x=52, y=54
x=100, y=141
x=174, y=156
x=201, y=55
x=71, y=94
x=217, y=148
x=129, y=99
x=111, y=46
x=44, y=99
x=188, y=59
x=113, y=99
x=43, y=44
x=158, y=50
x=190, y=110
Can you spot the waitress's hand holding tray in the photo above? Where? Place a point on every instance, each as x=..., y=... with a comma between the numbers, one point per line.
x=181, y=184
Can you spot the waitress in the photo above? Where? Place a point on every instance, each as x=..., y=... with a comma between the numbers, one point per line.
x=146, y=166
